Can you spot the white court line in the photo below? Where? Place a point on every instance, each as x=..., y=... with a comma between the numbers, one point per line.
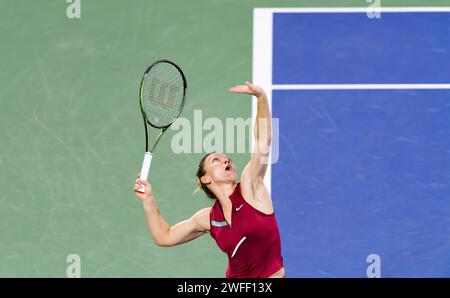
x=358, y=86
x=262, y=67
x=353, y=9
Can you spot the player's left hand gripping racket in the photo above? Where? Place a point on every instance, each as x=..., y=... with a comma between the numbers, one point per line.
x=161, y=97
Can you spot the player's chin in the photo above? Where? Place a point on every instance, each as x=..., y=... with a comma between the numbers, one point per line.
x=229, y=176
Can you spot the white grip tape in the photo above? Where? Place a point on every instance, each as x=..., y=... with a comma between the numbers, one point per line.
x=145, y=168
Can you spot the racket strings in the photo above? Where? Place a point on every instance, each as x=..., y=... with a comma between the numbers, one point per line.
x=163, y=94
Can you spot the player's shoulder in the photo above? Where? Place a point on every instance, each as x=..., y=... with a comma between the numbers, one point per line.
x=201, y=217
x=203, y=212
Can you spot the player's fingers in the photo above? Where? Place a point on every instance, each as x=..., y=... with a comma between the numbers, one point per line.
x=238, y=88
x=139, y=188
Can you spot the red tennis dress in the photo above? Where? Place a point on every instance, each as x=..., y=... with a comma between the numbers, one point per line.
x=252, y=242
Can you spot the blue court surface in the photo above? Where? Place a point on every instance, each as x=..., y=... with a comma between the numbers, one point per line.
x=331, y=48
x=367, y=171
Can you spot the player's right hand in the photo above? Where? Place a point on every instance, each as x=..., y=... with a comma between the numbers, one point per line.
x=145, y=196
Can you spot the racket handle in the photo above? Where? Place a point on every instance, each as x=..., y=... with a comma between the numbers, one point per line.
x=145, y=168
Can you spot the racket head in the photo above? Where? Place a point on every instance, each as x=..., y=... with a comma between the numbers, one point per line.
x=162, y=93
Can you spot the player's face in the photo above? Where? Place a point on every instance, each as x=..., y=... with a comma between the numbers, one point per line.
x=220, y=168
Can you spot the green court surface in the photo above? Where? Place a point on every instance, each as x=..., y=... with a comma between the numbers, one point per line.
x=72, y=138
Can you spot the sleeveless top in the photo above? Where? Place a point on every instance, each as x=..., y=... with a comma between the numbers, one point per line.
x=252, y=242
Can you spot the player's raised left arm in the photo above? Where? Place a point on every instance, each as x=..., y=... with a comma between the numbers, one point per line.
x=262, y=131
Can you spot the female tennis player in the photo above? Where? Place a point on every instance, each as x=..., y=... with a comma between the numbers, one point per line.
x=242, y=219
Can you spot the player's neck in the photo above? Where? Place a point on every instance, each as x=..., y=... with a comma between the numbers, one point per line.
x=224, y=191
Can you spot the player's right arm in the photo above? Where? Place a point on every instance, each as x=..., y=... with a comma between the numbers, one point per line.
x=162, y=233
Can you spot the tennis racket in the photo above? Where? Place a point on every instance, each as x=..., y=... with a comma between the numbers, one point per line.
x=161, y=97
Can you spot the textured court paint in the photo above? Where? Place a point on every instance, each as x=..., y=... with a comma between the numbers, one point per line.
x=72, y=138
